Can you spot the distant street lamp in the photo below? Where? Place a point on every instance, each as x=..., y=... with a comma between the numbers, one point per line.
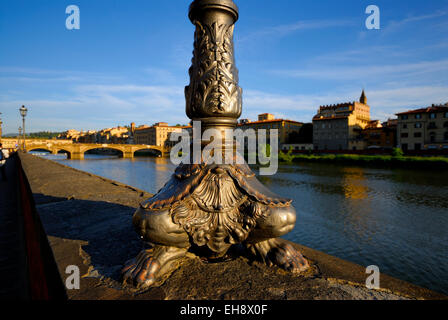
x=18, y=138
x=23, y=112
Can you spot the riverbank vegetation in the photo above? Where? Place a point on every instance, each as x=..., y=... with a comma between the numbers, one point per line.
x=396, y=159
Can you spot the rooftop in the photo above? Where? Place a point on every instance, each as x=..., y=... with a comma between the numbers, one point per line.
x=334, y=106
x=268, y=121
x=318, y=117
x=433, y=108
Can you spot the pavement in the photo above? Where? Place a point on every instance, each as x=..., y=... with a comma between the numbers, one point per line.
x=87, y=219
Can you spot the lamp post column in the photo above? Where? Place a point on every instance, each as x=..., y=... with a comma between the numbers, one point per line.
x=207, y=207
x=19, y=143
x=23, y=112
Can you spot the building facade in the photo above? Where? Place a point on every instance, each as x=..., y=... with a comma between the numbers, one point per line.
x=267, y=122
x=339, y=127
x=381, y=136
x=423, y=129
x=117, y=135
x=157, y=135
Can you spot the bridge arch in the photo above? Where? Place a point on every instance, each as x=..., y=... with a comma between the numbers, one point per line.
x=99, y=147
x=157, y=150
x=39, y=148
x=63, y=150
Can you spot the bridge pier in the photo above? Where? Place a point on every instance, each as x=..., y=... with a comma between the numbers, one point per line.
x=76, y=156
x=128, y=155
x=54, y=151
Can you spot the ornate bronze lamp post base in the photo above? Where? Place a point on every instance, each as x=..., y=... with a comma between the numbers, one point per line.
x=206, y=208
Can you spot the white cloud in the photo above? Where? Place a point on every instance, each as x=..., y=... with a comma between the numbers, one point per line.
x=95, y=106
x=384, y=103
x=395, y=25
x=285, y=29
x=405, y=71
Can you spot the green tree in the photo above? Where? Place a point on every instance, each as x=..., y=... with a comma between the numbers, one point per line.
x=397, y=152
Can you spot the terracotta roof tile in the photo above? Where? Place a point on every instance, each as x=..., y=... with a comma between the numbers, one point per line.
x=426, y=110
x=268, y=121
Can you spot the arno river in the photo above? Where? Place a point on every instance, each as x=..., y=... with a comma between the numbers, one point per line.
x=395, y=219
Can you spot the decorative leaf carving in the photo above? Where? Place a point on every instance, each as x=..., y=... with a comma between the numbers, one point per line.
x=213, y=88
x=217, y=214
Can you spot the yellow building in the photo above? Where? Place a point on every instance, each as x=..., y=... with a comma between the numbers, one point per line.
x=423, y=129
x=117, y=135
x=71, y=134
x=267, y=121
x=339, y=127
x=266, y=117
x=157, y=135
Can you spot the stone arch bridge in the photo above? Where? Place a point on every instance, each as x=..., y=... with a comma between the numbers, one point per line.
x=77, y=150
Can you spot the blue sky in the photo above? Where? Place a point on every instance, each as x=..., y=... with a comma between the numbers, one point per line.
x=129, y=61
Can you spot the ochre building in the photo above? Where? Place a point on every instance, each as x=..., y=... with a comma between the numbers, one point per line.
x=339, y=127
x=157, y=135
x=267, y=121
x=381, y=136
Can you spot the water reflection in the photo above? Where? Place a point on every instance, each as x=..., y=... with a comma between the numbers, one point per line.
x=353, y=183
x=395, y=219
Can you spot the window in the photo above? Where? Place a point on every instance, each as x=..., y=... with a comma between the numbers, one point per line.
x=432, y=125
x=445, y=136
x=432, y=137
x=405, y=126
x=418, y=116
x=417, y=135
x=445, y=125
x=432, y=115
x=404, y=135
x=405, y=117
x=404, y=147
x=418, y=125
x=445, y=115
x=417, y=146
